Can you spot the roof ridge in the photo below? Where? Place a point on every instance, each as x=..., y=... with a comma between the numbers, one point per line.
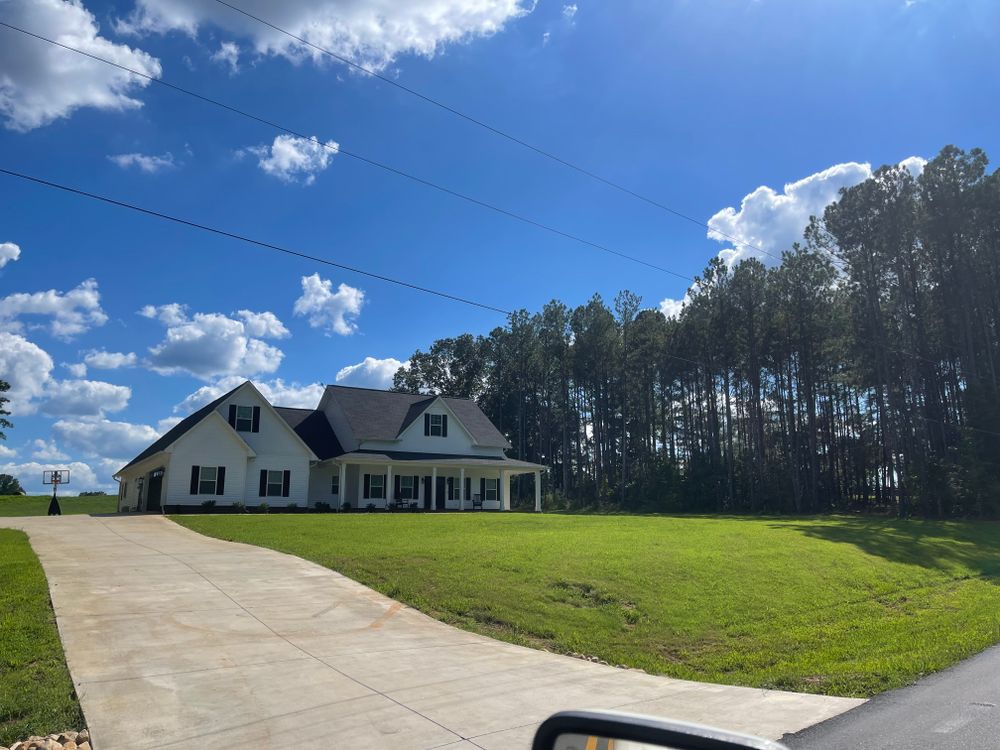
x=400, y=393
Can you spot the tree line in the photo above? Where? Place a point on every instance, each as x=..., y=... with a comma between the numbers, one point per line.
x=859, y=373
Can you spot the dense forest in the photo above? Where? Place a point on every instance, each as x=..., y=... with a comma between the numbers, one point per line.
x=859, y=373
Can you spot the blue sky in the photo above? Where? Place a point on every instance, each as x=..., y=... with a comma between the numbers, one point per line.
x=745, y=115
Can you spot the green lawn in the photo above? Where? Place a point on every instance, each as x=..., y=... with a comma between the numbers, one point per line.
x=843, y=606
x=38, y=505
x=36, y=694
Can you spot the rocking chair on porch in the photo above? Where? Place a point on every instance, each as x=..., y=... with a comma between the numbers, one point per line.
x=477, y=502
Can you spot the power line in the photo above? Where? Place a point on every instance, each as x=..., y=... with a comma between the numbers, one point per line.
x=495, y=130
x=366, y=160
x=250, y=240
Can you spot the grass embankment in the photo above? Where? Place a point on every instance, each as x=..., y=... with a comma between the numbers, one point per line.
x=842, y=606
x=36, y=693
x=38, y=505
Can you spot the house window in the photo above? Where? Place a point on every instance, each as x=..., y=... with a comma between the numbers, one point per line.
x=491, y=489
x=453, y=488
x=335, y=486
x=376, y=487
x=406, y=488
x=274, y=483
x=244, y=419
x=437, y=425
x=206, y=480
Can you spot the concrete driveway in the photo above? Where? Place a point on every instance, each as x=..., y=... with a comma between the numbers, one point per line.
x=176, y=640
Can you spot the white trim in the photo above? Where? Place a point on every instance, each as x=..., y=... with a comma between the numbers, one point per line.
x=229, y=431
x=281, y=420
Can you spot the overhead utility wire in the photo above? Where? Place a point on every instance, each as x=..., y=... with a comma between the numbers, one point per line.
x=250, y=240
x=495, y=130
x=358, y=157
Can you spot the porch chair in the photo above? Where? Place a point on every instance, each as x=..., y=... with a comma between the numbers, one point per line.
x=477, y=501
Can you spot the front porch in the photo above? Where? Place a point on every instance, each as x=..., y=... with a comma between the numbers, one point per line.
x=359, y=481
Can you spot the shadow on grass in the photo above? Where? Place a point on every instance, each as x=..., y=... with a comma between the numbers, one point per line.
x=938, y=545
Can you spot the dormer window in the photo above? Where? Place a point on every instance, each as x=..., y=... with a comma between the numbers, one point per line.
x=436, y=425
x=244, y=418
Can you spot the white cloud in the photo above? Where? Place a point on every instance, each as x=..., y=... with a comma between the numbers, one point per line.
x=76, y=369
x=277, y=391
x=772, y=221
x=264, y=325
x=41, y=82
x=9, y=252
x=42, y=451
x=290, y=158
x=165, y=424
x=569, y=11
x=96, y=438
x=82, y=477
x=6, y=452
x=336, y=311
x=103, y=360
x=72, y=312
x=371, y=372
x=84, y=398
x=671, y=308
x=370, y=32
x=208, y=345
x=545, y=38
x=915, y=165
x=228, y=54
x=27, y=367
x=147, y=163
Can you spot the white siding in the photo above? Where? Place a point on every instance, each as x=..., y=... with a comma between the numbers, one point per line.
x=457, y=443
x=209, y=443
x=275, y=438
x=321, y=484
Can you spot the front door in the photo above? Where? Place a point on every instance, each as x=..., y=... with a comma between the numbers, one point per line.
x=153, y=491
x=427, y=493
x=441, y=494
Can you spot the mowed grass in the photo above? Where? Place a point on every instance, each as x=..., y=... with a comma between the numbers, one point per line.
x=38, y=505
x=843, y=606
x=36, y=693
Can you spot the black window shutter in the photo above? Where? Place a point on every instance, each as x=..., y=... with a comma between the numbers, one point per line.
x=482, y=488
x=220, y=481
x=286, y=482
x=195, y=474
x=416, y=488
x=444, y=425
x=232, y=416
x=263, y=483
x=368, y=486
x=256, y=420
x=468, y=488
x=427, y=424
x=395, y=487
x=451, y=487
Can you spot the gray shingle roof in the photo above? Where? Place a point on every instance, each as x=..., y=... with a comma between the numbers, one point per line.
x=402, y=457
x=383, y=415
x=314, y=429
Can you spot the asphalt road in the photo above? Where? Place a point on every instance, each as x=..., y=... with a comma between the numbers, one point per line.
x=957, y=709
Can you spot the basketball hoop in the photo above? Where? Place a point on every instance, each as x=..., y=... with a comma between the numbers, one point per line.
x=55, y=477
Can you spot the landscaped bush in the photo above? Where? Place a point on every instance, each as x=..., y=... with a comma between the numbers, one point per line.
x=239, y=507
x=345, y=506
x=292, y=507
x=370, y=507
x=322, y=507
x=208, y=506
x=263, y=508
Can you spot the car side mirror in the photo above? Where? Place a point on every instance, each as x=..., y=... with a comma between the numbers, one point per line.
x=611, y=730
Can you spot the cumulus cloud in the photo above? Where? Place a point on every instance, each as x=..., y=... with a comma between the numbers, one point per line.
x=277, y=391
x=772, y=221
x=27, y=367
x=6, y=452
x=208, y=345
x=264, y=325
x=104, y=360
x=96, y=438
x=370, y=32
x=371, y=372
x=670, y=307
x=82, y=477
x=76, y=369
x=41, y=82
x=569, y=11
x=9, y=252
x=294, y=159
x=147, y=163
x=335, y=311
x=72, y=313
x=84, y=398
x=42, y=451
x=228, y=55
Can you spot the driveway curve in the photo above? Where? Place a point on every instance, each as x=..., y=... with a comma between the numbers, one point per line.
x=177, y=640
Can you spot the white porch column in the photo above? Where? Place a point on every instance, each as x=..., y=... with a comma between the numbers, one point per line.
x=434, y=488
x=538, y=492
x=388, y=485
x=461, y=488
x=342, y=485
x=503, y=487
x=361, y=486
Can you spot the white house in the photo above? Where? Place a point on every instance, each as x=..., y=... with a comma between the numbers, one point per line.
x=359, y=448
